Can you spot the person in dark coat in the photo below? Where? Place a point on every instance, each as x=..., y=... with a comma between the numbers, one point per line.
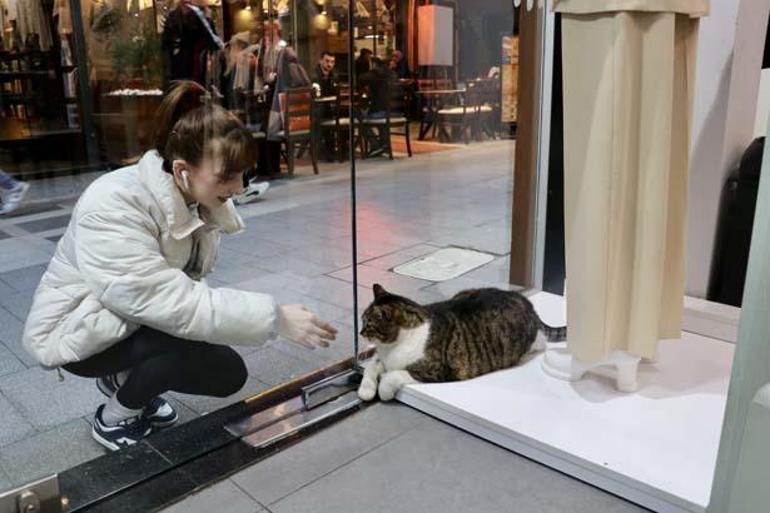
x=364, y=62
x=377, y=83
x=188, y=34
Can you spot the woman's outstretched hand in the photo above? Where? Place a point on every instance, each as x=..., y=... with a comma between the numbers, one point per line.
x=299, y=325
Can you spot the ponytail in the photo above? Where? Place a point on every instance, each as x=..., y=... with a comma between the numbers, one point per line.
x=184, y=97
x=191, y=127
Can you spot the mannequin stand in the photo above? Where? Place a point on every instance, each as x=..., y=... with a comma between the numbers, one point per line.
x=560, y=364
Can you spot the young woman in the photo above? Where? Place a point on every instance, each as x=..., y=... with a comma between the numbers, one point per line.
x=123, y=298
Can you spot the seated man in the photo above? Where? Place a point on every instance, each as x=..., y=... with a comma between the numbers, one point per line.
x=377, y=83
x=325, y=75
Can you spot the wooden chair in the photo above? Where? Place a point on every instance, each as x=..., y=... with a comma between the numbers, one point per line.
x=396, y=116
x=297, y=110
x=425, y=105
x=339, y=124
x=489, y=108
x=462, y=116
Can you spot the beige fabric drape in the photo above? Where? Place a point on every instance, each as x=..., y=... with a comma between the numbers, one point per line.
x=691, y=7
x=628, y=89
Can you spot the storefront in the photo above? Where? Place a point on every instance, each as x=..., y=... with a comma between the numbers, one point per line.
x=81, y=79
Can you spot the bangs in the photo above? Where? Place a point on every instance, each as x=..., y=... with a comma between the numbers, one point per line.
x=235, y=153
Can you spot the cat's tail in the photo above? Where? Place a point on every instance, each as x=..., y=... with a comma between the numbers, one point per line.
x=553, y=334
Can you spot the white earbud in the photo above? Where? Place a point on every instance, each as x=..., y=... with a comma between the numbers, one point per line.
x=186, y=180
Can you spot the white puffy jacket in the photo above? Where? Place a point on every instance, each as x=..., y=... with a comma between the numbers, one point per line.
x=133, y=255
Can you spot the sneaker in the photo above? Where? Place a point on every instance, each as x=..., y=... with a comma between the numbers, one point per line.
x=123, y=434
x=252, y=192
x=12, y=199
x=158, y=412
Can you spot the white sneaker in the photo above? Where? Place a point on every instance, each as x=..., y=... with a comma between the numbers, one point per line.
x=12, y=199
x=252, y=192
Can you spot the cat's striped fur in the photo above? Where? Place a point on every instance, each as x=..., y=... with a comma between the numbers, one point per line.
x=474, y=333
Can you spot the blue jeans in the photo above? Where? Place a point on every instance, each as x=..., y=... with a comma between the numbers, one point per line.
x=7, y=182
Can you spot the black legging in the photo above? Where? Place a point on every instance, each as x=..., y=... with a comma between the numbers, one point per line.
x=160, y=363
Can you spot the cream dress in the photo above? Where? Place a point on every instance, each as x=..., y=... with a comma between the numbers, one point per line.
x=628, y=90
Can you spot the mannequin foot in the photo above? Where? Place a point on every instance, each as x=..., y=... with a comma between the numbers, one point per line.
x=560, y=364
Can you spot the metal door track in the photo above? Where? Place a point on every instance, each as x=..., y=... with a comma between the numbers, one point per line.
x=316, y=403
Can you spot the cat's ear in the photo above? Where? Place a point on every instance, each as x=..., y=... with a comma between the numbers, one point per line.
x=379, y=291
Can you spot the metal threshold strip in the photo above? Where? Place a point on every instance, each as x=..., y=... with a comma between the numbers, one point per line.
x=317, y=402
x=305, y=419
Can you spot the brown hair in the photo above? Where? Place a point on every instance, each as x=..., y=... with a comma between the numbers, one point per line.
x=191, y=127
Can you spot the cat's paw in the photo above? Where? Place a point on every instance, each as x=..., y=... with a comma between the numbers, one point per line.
x=367, y=391
x=390, y=384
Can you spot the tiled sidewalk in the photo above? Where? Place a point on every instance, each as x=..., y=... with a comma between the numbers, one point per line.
x=298, y=247
x=429, y=467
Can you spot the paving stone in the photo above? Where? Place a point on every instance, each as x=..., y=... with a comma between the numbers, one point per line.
x=273, y=366
x=326, y=451
x=24, y=279
x=297, y=266
x=234, y=274
x=5, y=481
x=60, y=448
x=202, y=404
x=401, y=257
x=223, y=496
x=20, y=252
x=45, y=401
x=17, y=303
x=435, y=468
x=8, y=362
x=494, y=272
x=45, y=224
x=368, y=276
x=13, y=426
x=486, y=239
x=11, y=329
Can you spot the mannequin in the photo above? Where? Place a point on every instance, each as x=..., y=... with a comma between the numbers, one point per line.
x=628, y=90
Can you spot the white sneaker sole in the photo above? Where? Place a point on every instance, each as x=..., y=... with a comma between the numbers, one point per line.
x=168, y=423
x=103, y=441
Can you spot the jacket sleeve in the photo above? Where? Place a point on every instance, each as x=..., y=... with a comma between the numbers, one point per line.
x=121, y=261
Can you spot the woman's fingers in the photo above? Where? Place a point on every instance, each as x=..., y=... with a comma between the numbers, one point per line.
x=321, y=338
x=329, y=331
x=305, y=343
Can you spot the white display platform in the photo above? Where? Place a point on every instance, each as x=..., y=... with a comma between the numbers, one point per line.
x=656, y=447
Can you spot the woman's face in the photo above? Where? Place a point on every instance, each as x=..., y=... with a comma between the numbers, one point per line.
x=204, y=184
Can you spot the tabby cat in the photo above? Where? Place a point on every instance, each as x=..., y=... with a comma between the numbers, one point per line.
x=475, y=332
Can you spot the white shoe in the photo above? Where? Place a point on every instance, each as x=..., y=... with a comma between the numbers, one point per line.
x=13, y=198
x=252, y=192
